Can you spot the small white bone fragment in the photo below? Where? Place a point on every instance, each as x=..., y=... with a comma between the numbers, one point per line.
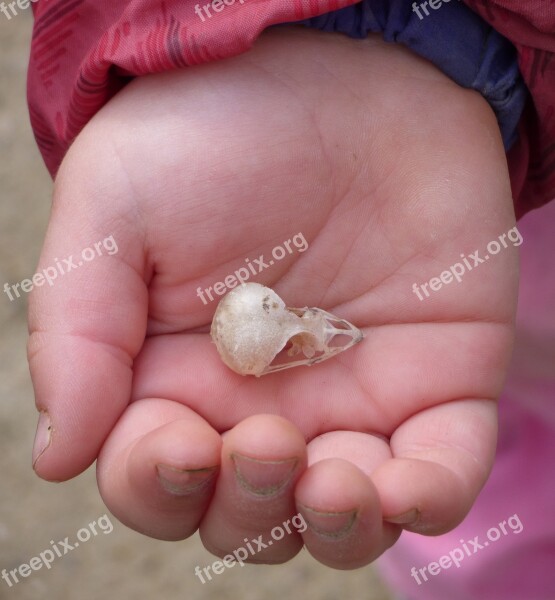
x=252, y=325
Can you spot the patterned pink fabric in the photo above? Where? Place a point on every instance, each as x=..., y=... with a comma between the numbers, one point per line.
x=530, y=25
x=84, y=51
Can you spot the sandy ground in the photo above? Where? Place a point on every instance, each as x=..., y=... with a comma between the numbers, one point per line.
x=122, y=564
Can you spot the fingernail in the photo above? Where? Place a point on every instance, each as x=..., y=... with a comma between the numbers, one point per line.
x=43, y=436
x=410, y=516
x=184, y=481
x=329, y=524
x=263, y=477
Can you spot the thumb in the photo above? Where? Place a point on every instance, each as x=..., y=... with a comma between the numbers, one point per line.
x=87, y=322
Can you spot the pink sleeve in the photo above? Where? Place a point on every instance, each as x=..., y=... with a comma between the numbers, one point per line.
x=530, y=26
x=84, y=51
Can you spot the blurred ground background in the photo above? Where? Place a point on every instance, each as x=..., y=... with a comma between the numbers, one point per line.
x=122, y=565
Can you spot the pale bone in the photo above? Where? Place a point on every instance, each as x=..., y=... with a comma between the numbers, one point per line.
x=252, y=325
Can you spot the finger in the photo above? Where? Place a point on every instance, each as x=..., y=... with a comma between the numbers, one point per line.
x=87, y=321
x=253, y=507
x=157, y=470
x=341, y=507
x=441, y=459
x=365, y=450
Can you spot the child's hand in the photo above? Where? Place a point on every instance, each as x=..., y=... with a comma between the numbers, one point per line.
x=391, y=172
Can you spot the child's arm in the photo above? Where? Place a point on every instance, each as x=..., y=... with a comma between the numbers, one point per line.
x=391, y=172
x=85, y=52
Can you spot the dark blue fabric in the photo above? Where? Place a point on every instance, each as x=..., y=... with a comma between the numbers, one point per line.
x=453, y=38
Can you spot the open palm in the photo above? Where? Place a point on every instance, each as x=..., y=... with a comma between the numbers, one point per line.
x=390, y=172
